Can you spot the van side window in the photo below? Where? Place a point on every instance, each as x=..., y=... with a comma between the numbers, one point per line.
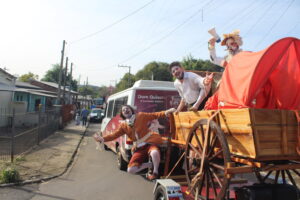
x=110, y=109
x=118, y=104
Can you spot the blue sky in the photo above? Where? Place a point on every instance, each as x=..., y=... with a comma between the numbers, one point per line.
x=32, y=32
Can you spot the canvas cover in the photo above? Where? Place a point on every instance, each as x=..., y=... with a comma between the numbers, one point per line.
x=266, y=79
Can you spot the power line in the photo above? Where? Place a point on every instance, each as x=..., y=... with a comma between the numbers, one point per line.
x=260, y=17
x=276, y=22
x=113, y=24
x=165, y=36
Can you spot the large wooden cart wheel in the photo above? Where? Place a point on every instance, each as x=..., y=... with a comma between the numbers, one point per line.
x=284, y=176
x=206, y=156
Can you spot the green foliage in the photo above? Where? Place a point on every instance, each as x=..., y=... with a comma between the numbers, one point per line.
x=9, y=175
x=87, y=90
x=124, y=84
x=28, y=76
x=190, y=63
x=52, y=75
x=160, y=71
x=20, y=159
x=156, y=70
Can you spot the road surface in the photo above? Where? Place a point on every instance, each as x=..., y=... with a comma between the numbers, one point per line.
x=93, y=175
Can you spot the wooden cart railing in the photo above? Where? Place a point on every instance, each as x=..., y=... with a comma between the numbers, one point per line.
x=219, y=144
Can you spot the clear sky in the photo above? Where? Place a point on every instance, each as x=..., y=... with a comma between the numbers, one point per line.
x=102, y=34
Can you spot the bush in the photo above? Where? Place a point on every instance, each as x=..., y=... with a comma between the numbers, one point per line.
x=9, y=175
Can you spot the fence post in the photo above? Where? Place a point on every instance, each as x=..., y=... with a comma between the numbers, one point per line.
x=12, y=136
x=39, y=126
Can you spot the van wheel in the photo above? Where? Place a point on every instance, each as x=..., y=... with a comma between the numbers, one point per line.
x=160, y=193
x=122, y=164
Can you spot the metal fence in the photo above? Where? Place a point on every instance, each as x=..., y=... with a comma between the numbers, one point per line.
x=22, y=131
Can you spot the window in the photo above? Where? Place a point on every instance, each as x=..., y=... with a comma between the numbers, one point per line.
x=118, y=104
x=110, y=108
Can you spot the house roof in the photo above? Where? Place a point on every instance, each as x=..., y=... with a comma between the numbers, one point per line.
x=55, y=85
x=36, y=92
x=8, y=74
x=21, y=84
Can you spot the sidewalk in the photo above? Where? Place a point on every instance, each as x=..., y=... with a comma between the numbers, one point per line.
x=52, y=157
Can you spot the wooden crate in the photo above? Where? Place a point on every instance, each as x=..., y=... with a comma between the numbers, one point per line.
x=261, y=134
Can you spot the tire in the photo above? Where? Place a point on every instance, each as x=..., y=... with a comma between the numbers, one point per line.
x=160, y=193
x=122, y=164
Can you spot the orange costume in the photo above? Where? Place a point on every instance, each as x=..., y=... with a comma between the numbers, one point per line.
x=145, y=139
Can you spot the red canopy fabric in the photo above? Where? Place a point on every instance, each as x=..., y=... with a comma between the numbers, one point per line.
x=266, y=79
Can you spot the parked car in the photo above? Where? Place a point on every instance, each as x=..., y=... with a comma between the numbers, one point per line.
x=96, y=115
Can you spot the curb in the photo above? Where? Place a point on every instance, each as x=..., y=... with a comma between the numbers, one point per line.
x=32, y=181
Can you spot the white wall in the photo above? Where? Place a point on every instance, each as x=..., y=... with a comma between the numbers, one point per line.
x=5, y=107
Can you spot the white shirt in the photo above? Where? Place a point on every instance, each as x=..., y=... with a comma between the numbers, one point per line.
x=192, y=88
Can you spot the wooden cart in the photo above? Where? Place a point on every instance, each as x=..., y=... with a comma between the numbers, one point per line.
x=221, y=143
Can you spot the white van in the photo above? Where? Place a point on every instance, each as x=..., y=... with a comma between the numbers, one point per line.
x=144, y=96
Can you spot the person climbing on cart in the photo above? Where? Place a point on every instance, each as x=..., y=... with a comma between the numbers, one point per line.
x=192, y=88
x=146, y=142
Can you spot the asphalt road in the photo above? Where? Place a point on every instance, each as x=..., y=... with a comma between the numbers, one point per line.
x=93, y=175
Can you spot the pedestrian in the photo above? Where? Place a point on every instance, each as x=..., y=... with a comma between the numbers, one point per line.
x=145, y=141
x=192, y=88
x=77, y=119
x=84, y=115
x=232, y=41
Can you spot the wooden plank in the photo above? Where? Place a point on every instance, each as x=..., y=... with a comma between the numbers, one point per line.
x=284, y=147
x=239, y=170
x=247, y=162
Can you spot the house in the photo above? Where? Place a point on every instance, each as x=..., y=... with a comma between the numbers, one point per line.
x=7, y=87
x=30, y=98
x=52, y=88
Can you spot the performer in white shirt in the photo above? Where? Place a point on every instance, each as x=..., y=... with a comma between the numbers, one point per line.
x=232, y=41
x=192, y=88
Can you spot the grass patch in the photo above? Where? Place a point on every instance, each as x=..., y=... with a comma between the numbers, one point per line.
x=9, y=175
x=20, y=159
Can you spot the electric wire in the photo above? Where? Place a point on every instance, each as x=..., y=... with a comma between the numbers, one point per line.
x=112, y=24
x=276, y=22
x=260, y=18
x=167, y=35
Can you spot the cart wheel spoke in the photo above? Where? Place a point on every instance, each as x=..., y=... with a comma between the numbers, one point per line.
x=291, y=177
x=216, y=177
x=213, y=183
x=267, y=176
x=276, y=177
x=212, y=145
x=193, y=170
x=204, y=144
x=283, y=176
x=296, y=172
x=195, y=150
x=218, y=153
x=198, y=142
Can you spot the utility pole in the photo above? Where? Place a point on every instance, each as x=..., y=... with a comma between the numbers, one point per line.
x=65, y=79
x=129, y=73
x=70, y=84
x=60, y=71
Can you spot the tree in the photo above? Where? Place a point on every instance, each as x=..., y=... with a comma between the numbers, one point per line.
x=190, y=63
x=123, y=84
x=27, y=77
x=157, y=70
x=52, y=75
x=87, y=90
